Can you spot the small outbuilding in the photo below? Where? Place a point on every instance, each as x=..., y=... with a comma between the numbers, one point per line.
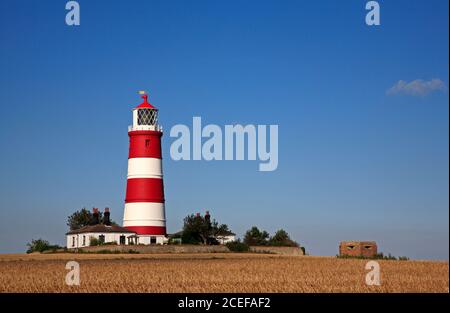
x=358, y=248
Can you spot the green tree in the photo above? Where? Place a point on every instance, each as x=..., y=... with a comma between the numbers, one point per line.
x=220, y=230
x=255, y=237
x=83, y=218
x=281, y=238
x=198, y=229
x=40, y=245
x=80, y=219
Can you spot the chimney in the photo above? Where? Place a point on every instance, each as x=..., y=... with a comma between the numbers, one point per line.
x=106, y=219
x=95, y=214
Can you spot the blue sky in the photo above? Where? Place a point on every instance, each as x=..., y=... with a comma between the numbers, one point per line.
x=354, y=162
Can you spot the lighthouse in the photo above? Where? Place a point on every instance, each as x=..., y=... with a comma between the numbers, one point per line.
x=144, y=211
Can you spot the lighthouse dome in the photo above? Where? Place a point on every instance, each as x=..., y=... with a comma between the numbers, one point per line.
x=145, y=104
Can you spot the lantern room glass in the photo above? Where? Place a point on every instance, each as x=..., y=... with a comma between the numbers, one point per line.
x=147, y=116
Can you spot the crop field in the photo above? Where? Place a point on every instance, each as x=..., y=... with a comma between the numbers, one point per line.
x=215, y=272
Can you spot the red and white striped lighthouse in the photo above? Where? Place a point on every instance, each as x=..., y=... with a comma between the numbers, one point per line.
x=144, y=203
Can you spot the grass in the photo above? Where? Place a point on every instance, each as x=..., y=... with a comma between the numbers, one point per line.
x=226, y=272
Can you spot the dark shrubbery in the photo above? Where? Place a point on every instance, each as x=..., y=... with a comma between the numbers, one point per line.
x=175, y=241
x=237, y=246
x=97, y=242
x=40, y=245
x=83, y=218
x=94, y=241
x=379, y=256
x=199, y=229
x=255, y=237
x=281, y=238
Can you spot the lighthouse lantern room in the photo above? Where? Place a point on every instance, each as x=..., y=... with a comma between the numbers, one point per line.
x=144, y=211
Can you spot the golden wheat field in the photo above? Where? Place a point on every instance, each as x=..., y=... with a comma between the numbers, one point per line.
x=227, y=272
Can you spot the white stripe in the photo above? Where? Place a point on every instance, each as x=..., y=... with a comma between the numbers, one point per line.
x=144, y=223
x=144, y=214
x=144, y=168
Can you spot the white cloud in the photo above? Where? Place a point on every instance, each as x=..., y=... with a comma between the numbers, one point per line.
x=418, y=87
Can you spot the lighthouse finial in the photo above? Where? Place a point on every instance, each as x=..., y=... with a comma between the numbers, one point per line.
x=145, y=103
x=144, y=95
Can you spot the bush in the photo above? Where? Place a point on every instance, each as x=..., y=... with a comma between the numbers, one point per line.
x=255, y=237
x=94, y=241
x=40, y=245
x=281, y=238
x=237, y=246
x=97, y=242
x=189, y=237
x=175, y=241
x=379, y=256
x=383, y=257
x=199, y=229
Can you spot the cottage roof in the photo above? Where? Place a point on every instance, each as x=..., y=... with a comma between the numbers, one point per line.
x=101, y=228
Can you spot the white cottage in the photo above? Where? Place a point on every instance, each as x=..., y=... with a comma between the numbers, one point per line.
x=107, y=233
x=80, y=238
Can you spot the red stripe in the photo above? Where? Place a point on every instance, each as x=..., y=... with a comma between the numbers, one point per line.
x=148, y=230
x=145, y=144
x=145, y=190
